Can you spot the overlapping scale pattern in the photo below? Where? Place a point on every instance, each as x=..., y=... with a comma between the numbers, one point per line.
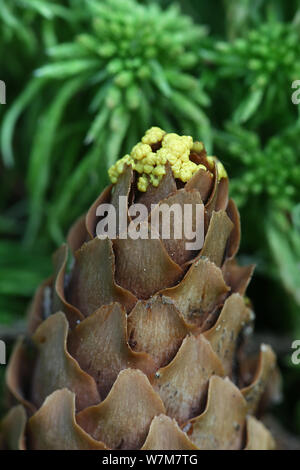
x=138, y=344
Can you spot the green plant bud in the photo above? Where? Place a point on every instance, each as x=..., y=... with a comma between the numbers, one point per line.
x=176, y=50
x=262, y=80
x=133, y=97
x=114, y=97
x=261, y=50
x=223, y=46
x=115, y=66
x=290, y=190
x=241, y=45
x=254, y=64
x=249, y=178
x=148, y=39
x=100, y=26
x=289, y=58
x=144, y=72
x=165, y=42
x=270, y=65
x=150, y=53
x=124, y=78
x=89, y=42
x=117, y=118
x=180, y=80
x=107, y=50
x=256, y=188
x=129, y=31
x=136, y=62
x=272, y=190
x=187, y=60
x=254, y=36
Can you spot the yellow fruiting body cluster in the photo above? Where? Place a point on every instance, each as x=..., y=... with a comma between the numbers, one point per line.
x=222, y=173
x=150, y=165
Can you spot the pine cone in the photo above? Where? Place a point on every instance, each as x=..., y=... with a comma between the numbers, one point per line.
x=138, y=343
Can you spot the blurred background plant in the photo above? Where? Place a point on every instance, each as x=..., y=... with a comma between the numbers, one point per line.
x=85, y=78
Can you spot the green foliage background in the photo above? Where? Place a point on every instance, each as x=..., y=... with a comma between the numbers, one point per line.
x=85, y=78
